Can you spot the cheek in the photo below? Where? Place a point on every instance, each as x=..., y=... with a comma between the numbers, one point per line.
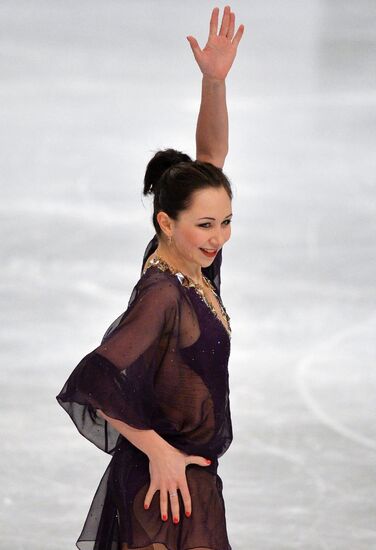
x=192, y=238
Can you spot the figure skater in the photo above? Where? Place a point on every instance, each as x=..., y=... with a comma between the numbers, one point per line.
x=154, y=394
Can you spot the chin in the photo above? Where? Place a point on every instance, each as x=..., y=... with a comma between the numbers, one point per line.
x=207, y=260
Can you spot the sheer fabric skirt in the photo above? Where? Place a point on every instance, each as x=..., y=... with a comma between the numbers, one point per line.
x=117, y=519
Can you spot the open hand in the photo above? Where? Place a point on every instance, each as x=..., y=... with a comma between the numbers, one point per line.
x=216, y=59
x=167, y=475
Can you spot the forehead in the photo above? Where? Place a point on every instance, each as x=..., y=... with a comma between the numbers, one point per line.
x=211, y=201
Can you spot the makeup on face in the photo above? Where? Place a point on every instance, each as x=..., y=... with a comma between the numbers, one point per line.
x=199, y=229
x=209, y=254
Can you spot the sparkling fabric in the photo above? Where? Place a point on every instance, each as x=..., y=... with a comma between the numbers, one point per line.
x=161, y=365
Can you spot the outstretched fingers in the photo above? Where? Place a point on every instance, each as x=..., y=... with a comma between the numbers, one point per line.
x=238, y=35
x=186, y=496
x=174, y=503
x=170, y=495
x=225, y=21
x=227, y=28
x=213, y=28
x=231, y=28
x=149, y=496
x=195, y=47
x=163, y=503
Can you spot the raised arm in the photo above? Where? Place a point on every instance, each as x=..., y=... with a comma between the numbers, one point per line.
x=215, y=61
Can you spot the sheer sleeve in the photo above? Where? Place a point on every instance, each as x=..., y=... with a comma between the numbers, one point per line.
x=117, y=376
x=213, y=271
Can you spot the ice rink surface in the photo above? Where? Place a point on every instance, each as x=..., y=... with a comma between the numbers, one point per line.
x=89, y=90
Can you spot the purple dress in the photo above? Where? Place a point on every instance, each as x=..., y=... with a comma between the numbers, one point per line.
x=161, y=365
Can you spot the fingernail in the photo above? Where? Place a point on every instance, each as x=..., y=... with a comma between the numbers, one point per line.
x=164, y=517
x=176, y=520
x=188, y=514
x=146, y=506
x=208, y=460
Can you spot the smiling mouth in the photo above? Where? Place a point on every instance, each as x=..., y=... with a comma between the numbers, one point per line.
x=209, y=252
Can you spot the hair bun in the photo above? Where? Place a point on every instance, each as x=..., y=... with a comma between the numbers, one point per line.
x=162, y=161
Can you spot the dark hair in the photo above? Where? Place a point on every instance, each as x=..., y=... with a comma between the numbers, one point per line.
x=173, y=177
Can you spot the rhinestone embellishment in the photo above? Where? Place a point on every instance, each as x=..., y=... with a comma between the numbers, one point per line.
x=186, y=281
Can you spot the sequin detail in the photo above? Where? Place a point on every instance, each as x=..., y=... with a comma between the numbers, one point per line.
x=186, y=281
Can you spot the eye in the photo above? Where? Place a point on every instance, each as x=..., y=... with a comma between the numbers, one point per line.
x=207, y=224
x=204, y=224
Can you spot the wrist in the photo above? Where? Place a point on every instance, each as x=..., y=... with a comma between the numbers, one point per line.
x=158, y=449
x=213, y=80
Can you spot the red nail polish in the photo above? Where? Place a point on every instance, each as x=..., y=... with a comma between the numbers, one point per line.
x=164, y=517
x=176, y=520
x=146, y=506
x=188, y=514
x=208, y=460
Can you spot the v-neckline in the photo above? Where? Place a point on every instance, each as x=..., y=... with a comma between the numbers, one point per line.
x=215, y=313
x=184, y=280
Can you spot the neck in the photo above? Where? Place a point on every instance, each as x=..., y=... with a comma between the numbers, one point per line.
x=172, y=257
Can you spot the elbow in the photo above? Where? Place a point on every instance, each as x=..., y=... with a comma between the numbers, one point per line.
x=217, y=159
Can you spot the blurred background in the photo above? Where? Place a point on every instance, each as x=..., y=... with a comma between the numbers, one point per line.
x=89, y=91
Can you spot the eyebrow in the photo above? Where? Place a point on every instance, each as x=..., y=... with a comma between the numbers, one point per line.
x=207, y=217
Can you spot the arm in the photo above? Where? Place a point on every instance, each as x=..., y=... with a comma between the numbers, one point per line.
x=116, y=380
x=215, y=61
x=148, y=441
x=212, y=123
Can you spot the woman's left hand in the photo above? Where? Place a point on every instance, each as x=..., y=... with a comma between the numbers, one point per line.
x=216, y=59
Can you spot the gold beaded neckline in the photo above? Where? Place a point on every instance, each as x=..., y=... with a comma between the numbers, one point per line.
x=187, y=281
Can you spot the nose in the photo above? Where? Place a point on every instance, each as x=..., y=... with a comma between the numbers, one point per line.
x=218, y=239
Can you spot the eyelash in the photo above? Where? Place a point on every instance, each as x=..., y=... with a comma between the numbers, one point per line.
x=205, y=224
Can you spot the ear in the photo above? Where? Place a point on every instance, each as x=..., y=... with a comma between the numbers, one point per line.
x=165, y=223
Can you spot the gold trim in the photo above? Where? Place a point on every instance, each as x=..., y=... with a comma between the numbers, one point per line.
x=186, y=281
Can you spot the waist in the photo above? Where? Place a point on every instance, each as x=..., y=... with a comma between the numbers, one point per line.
x=133, y=454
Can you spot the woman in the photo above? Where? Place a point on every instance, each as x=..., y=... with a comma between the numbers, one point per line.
x=154, y=394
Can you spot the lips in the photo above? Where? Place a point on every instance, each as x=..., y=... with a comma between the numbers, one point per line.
x=209, y=253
